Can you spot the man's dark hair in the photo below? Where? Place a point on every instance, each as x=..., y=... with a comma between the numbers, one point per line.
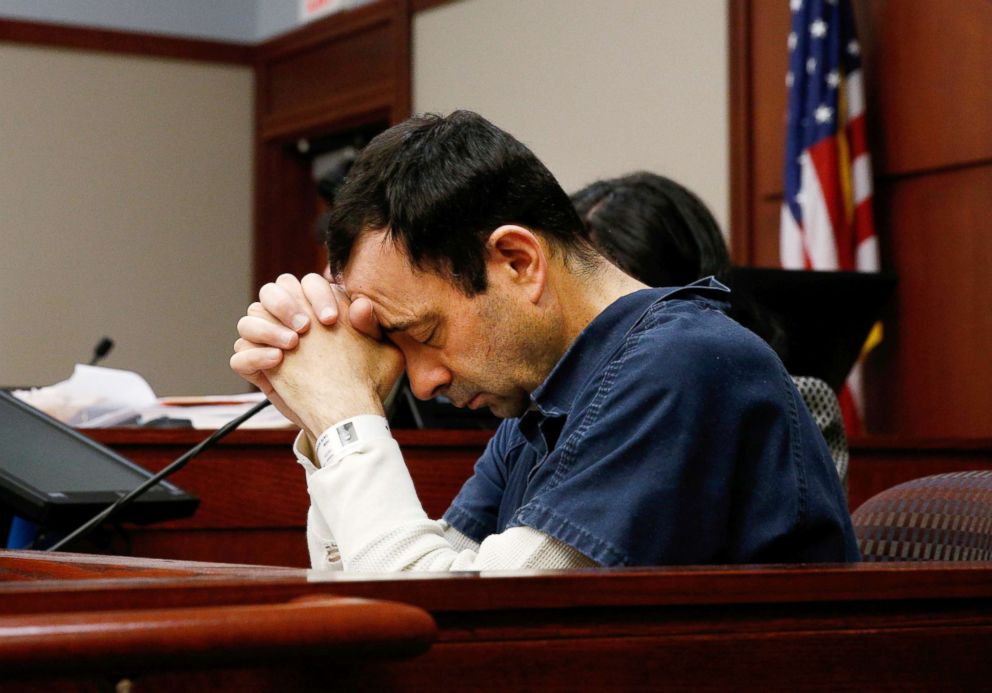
x=661, y=233
x=439, y=186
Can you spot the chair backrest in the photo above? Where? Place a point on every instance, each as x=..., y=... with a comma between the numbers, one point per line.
x=945, y=517
x=825, y=409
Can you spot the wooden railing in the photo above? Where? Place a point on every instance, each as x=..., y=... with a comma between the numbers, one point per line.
x=321, y=631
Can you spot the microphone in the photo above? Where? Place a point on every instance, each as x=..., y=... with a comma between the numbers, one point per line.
x=101, y=350
x=175, y=466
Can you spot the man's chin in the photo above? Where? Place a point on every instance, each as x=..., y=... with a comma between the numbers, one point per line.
x=508, y=409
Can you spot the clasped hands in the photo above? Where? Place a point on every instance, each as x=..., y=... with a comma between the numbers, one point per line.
x=317, y=356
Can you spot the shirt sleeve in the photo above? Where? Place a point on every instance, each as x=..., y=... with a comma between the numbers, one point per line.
x=365, y=516
x=475, y=510
x=668, y=448
x=322, y=547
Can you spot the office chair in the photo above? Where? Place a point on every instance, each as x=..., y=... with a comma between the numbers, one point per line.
x=825, y=409
x=945, y=517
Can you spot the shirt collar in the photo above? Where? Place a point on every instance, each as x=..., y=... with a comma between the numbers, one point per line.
x=555, y=395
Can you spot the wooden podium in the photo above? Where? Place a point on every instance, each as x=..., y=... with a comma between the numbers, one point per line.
x=76, y=622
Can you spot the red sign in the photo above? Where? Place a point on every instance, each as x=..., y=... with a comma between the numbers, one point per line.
x=311, y=9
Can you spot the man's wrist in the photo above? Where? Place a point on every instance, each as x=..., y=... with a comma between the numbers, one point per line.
x=319, y=421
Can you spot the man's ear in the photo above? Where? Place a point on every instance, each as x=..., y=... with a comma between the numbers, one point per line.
x=517, y=256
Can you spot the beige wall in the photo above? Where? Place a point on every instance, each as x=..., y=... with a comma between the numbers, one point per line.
x=596, y=88
x=125, y=210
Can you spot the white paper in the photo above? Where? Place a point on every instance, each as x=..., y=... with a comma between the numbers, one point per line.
x=98, y=397
x=93, y=397
x=212, y=416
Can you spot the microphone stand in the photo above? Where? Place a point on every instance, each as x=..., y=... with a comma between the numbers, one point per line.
x=175, y=466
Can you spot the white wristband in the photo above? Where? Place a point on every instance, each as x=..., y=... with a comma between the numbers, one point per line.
x=348, y=436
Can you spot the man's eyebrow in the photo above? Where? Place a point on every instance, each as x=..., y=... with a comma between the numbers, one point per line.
x=403, y=325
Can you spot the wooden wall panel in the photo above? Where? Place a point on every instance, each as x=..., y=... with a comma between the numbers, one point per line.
x=770, y=61
x=758, y=63
x=939, y=367
x=741, y=142
x=348, y=71
x=927, y=86
x=285, y=210
x=331, y=68
x=298, y=79
x=881, y=462
x=768, y=212
x=124, y=42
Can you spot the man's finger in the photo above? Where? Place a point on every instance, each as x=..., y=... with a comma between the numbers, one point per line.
x=248, y=363
x=264, y=332
x=257, y=310
x=283, y=305
x=320, y=295
x=241, y=344
x=362, y=317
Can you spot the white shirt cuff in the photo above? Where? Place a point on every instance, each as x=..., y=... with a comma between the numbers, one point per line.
x=349, y=436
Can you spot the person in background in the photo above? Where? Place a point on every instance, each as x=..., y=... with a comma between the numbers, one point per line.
x=659, y=232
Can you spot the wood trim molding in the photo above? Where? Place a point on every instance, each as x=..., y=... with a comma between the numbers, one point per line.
x=334, y=26
x=403, y=103
x=421, y=5
x=356, y=108
x=303, y=630
x=741, y=144
x=126, y=42
x=158, y=45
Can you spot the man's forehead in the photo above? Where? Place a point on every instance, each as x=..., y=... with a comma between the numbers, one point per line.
x=370, y=266
x=379, y=271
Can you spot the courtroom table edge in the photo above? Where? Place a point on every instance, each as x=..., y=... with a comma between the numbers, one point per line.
x=27, y=576
x=277, y=436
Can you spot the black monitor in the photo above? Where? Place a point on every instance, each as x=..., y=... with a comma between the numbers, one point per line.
x=54, y=476
x=826, y=315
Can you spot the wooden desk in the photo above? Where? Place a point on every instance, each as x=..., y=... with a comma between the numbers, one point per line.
x=878, y=627
x=254, y=500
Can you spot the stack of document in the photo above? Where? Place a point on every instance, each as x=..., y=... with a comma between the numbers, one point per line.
x=97, y=397
x=213, y=411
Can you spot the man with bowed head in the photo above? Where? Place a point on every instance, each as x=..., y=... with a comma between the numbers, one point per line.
x=642, y=426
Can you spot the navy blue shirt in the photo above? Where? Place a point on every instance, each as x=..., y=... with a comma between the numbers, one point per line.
x=667, y=434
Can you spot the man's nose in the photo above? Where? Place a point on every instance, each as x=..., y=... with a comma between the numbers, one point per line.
x=428, y=378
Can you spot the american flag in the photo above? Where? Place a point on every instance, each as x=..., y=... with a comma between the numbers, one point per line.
x=826, y=212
